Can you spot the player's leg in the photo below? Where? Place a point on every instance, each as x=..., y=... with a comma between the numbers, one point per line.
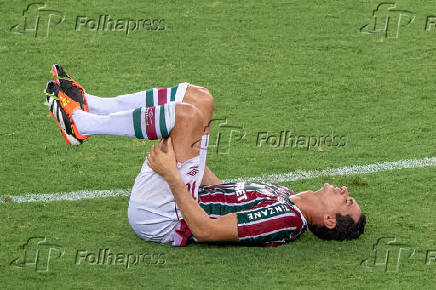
x=154, y=122
x=183, y=92
x=145, y=122
x=149, y=122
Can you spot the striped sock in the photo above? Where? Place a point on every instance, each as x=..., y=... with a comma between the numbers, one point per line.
x=144, y=123
x=149, y=98
x=154, y=122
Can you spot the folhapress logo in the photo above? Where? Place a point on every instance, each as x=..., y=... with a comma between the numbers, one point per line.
x=37, y=254
x=387, y=20
x=388, y=254
x=38, y=20
x=226, y=136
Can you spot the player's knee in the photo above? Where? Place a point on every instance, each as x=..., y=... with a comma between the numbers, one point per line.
x=207, y=98
x=203, y=98
x=188, y=115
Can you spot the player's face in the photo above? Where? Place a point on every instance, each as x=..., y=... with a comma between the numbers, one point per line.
x=337, y=200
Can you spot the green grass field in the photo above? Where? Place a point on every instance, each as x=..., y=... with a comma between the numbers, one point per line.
x=301, y=66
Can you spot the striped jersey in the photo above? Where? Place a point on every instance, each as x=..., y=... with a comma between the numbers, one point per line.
x=266, y=216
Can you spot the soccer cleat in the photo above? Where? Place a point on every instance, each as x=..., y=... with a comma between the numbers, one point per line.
x=63, y=119
x=69, y=86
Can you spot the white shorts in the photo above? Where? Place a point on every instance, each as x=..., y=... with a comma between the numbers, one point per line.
x=152, y=213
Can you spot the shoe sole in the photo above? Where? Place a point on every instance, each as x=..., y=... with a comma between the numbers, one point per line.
x=69, y=140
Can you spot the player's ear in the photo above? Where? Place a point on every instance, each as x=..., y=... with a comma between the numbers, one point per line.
x=330, y=221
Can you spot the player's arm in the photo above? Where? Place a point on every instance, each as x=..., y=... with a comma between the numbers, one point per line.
x=210, y=178
x=202, y=226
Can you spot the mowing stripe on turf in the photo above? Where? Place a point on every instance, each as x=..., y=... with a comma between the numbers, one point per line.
x=273, y=178
x=352, y=170
x=65, y=196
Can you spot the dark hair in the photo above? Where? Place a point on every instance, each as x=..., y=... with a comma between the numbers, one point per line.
x=345, y=229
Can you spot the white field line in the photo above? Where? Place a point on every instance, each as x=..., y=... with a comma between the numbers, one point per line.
x=273, y=178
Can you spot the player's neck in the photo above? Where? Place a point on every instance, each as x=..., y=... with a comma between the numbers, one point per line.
x=304, y=201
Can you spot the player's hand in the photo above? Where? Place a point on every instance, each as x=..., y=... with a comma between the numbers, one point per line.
x=162, y=159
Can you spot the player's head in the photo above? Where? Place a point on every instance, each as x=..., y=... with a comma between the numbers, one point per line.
x=341, y=218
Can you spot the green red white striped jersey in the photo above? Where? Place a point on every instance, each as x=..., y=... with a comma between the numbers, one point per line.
x=266, y=216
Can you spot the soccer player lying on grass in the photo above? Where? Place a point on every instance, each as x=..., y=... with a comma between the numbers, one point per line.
x=175, y=197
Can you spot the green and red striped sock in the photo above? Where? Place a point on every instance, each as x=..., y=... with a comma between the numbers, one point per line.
x=143, y=123
x=154, y=122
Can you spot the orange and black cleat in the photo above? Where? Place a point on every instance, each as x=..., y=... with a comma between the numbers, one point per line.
x=61, y=109
x=69, y=86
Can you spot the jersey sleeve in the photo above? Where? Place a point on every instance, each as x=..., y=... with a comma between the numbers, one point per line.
x=270, y=225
